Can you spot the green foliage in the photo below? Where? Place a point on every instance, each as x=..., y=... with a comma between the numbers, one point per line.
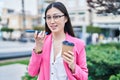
x=0, y=19
x=115, y=77
x=7, y=29
x=103, y=60
x=28, y=77
x=92, y=29
x=39, y=28
x=26, y=61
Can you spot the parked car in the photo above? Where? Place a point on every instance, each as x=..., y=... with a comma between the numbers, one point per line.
x=24, y=40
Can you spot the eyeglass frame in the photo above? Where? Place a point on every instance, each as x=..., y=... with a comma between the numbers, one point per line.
x=55, y=17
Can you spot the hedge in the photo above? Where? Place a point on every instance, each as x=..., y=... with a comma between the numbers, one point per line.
x=103, y=60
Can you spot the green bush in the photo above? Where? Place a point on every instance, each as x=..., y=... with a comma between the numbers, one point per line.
x=115, y=77
x=28, y=77
x=7, y=29
x=39, y=28
x=103, y=60
x=93, y=29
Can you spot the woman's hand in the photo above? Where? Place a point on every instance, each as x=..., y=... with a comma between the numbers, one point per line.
x=39, y=38
x=69, y=58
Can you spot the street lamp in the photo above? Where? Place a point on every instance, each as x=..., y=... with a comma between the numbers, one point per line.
x=23, y=15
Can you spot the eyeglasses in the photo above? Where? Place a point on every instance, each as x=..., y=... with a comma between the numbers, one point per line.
x=55, y=17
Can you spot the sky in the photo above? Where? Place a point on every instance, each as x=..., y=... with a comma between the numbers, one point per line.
x=30, y=5
x=1, y=5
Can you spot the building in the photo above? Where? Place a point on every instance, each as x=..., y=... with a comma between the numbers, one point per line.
x=79, y=14
x=14, y=18
x=82, y=17
x=110, y=23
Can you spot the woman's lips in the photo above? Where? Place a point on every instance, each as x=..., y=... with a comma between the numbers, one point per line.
x=53, y=27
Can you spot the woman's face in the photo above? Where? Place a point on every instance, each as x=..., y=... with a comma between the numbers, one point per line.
x=55, y=20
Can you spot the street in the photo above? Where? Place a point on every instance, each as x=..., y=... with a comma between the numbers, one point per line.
x=13, y=49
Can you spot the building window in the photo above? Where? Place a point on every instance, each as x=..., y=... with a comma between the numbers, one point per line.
x=81, y=13
x=10, y=11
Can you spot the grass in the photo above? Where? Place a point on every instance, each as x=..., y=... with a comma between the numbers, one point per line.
x=14, y=61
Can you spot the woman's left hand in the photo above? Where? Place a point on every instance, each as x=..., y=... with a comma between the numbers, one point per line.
x=69, y=58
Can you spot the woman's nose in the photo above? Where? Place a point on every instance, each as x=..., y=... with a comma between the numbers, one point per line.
x=52, y=20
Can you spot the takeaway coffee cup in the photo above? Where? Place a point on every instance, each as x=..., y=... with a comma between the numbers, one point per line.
x=67, y=46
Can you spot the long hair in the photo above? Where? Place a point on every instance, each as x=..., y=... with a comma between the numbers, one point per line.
x=68, y=27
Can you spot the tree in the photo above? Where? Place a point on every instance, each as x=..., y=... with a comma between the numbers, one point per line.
x=23, y=14
x=93, y=29
x=105, y=6
x=0, y=19
x=39, y=28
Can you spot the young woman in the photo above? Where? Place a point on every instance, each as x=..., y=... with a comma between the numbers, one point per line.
x=46, y=61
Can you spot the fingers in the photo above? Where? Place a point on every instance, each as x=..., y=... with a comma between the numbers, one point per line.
x=68, y=56
x=35, y=35
x=66, y=59
x=40, y=35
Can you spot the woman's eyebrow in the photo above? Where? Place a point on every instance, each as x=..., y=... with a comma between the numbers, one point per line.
x=53, y=14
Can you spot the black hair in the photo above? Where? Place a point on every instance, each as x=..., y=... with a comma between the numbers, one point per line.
x=68, y=27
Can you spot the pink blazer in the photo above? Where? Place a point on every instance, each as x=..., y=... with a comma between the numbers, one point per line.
x=40, y=63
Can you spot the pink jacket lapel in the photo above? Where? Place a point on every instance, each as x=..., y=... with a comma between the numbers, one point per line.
x=47, y=50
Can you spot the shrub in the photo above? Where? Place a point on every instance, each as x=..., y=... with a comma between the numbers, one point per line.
x=7, y=29
x=39, y=28
x=103, y=60
x=28, y=77
x=93, y=29
x=115, y=77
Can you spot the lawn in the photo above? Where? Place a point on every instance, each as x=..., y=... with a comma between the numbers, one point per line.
x=13, y=61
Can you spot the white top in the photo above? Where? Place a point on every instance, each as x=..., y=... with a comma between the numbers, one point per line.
x=57, y=70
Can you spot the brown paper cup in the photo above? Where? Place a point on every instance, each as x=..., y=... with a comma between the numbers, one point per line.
x=66, y=48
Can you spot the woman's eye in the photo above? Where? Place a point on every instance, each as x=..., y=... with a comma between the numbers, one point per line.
x=49, y=17
x=55, y=17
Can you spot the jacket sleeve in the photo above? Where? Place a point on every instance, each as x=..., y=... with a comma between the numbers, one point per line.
x=34, y=64
x=81, y=70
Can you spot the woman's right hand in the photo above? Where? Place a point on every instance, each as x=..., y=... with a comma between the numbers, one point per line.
x=39, y=39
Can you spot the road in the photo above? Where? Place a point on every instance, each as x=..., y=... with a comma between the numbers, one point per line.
x=12, y=49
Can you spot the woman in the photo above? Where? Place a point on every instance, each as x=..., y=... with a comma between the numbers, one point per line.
x=46, y=60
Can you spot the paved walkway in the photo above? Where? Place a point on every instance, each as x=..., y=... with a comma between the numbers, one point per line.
x=12, y=72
